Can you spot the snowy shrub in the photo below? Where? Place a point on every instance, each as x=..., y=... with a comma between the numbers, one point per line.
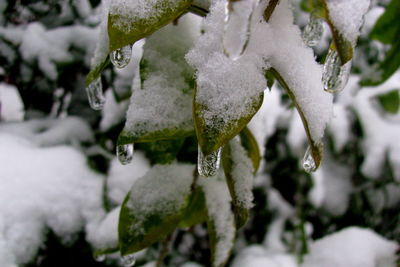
x=224, y=132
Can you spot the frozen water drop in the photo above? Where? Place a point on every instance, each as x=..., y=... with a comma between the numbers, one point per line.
x=208, y=165
x=313, y=31
x=309, y=162
x=128, y=260
x=238, y=15
x=125, y=153
x=121, y=57
x=95, y=94
x=335, y=75
x=99, y=257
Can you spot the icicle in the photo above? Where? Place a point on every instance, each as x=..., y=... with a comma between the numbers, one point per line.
x=335, y=76
x=121, y=57
x=125, y=153
x=238, y=16
x=208, y=165
x=309, y=162
x=128, y=260
x=99, y=257
x=313, y=31
x=95, y=94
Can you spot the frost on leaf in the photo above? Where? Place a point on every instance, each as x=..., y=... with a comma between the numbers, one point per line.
x=221, y=222
x=162, y=108
x=130, y=21
x=154, y=206
x=238, y=170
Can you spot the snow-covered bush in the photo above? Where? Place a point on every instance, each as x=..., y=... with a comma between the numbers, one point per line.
x=225, y=132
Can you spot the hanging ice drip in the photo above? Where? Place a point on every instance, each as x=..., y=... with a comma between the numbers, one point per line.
x=309, y=162
x=128, y=260
x=208, y=165
x=335, y=75
x=120, y=58
x=238, y=16
x=95, y=94
x=313, y=31
x=125, y=153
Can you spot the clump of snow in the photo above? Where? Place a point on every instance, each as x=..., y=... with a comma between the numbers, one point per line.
x=353, y=246
x=121, y=177
x=163, y=190
x=339, y=126
x=54, y=190
x=112, y=112
x=348, y=16
x=50, y=132
x=165, y=99
x=102, y=44
x=242, y=174
x=148, y=11
x=11, y=105
x=258, y=256
x=218, y=202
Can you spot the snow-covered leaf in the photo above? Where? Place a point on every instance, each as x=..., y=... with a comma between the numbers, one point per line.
x=130, y=21
x=220, y=222
x=162, y=108
x=196, y=211
x=238, y=170
x=154, y=206
x=250, y=143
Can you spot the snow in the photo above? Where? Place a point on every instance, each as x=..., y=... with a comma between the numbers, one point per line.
x=165, y=99
x=11, y=105
x=339, y=126
x=242, y=174
x=258, y=256
x=347, y=16
x=353, y=246
x=163, y=190
x=218, y=202
x=54, y=190
x=102, y=41
x=122, y=177
x=112, y=112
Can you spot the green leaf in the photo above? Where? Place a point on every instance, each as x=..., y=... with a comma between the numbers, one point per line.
x=384, y=69
x=163, y=151
x=162, y=108
x=196, y=211
x=95, y=72
x=215, y=133
x=387, y=28
x=239, y=177
x=315, y=146
x=154, y=206
x=390, y=101
x=249, y=142
x=125, y=29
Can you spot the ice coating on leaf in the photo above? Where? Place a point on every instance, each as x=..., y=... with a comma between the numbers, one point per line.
x=347, y=16
x=352, y=246
x=165, y=100
x=162, y=191
x=218, y=202
x=138, y=9
x=242, y=174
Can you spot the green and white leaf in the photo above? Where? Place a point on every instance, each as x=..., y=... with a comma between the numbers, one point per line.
x=162, y=108
x=238, y=169
x=130, y=21
x=221, y=222
x=155, y=206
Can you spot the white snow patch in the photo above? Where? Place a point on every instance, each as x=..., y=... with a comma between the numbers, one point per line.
x=11, y=105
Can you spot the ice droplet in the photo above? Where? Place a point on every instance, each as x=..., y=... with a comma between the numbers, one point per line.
x=121, y=57
x=309, y=162
x=313, y=31
x=95, y=94
x=334, y=75
x=99, y=257
x=208, y=165
x=125, y=153
x=128, y=260
x=238, y=15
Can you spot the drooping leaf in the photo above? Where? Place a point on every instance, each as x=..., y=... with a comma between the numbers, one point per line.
x=220, y=222
x=161, y=109
x=315, y=146
x=154, y=206
x=128, y=23
x=390, y=101
x=238, y=169
x=249, y=143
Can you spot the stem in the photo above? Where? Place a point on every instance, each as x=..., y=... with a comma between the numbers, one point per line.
x=165, y=247
x=270, y=9
x=202, y=12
